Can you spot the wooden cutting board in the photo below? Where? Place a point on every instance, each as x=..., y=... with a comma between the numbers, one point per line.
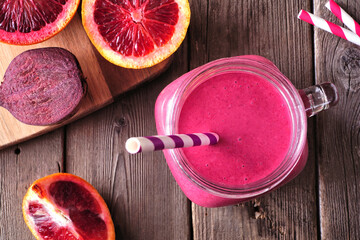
x=105, y=80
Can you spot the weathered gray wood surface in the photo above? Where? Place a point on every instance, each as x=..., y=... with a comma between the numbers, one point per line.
x=142, y=195
x=19, y=167
x=338, y=136
x=144, y=199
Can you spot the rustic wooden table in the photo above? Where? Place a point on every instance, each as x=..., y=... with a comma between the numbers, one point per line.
x=145, y=201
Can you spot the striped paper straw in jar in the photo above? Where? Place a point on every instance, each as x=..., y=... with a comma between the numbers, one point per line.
x=159, y=142
x=343, y=16
x=329, y=27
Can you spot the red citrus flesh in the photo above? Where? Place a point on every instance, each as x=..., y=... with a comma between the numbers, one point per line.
x=24, y=22
x=137, y=33
x=64, y=206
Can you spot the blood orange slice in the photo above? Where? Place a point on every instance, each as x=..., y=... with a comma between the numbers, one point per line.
x=64, y=206
x=136, y=33
x=24, y=22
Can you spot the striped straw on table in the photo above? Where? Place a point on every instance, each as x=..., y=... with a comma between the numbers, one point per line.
x=343, y=16
x=329, y=27
x=153, y=143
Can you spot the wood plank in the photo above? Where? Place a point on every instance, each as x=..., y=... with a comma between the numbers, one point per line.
x=144, y=200
x=20, y=166
x=105, y=80
x=268, y=28
x=338, y=136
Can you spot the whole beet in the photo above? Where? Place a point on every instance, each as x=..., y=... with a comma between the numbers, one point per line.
x=42, y=86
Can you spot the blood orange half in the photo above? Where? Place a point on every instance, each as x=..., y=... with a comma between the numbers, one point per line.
x=24, y=22
x=64, y=206
x=136, y=33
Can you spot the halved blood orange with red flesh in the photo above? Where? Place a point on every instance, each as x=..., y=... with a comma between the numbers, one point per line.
x=136, y=33
x=64, y=206
x=24, y=22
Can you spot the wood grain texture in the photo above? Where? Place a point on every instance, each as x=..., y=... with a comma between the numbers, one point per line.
x=20, y=166
x=338, y=140
x=104, y=80
x=144, y=200
x=270, y=29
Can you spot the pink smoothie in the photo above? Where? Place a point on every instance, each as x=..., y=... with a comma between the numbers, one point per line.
x=252, y=120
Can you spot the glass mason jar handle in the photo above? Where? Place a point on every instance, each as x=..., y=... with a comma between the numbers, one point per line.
x=319, y=97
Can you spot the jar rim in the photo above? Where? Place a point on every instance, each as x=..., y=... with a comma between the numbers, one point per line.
x=257, y=65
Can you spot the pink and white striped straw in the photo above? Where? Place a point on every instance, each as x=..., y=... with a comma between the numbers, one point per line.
x=153, y=143
x=329, y=27
x=343, y=16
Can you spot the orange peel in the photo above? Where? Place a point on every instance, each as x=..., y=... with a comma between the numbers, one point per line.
x=64, y=206
x=136, y=35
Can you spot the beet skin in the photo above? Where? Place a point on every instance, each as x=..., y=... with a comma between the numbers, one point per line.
x=42, y=86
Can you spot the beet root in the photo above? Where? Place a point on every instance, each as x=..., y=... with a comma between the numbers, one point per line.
x=42, y=86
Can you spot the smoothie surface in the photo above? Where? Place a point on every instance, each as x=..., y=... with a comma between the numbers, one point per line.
x=253, y=122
